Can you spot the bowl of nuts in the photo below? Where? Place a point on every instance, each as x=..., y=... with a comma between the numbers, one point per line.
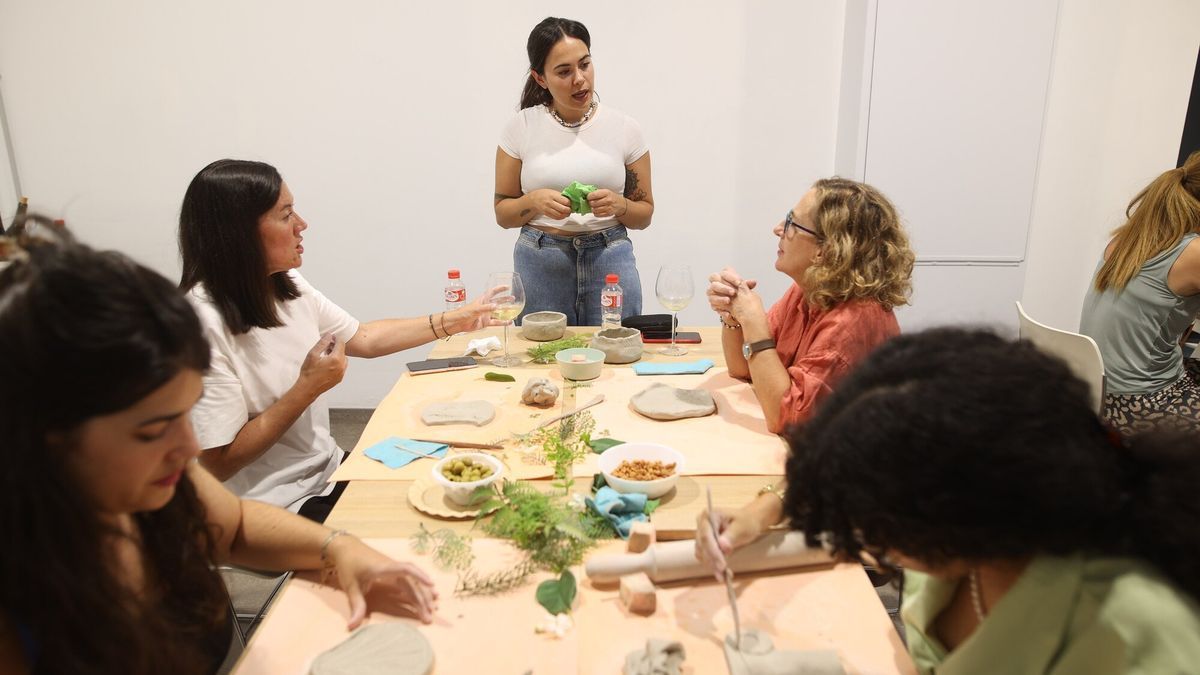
x=461, y=475
x=649, y=468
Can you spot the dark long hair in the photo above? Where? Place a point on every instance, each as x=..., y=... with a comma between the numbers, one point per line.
x=542, y=39
x=84, y=334
x=958, y=444
x=220, y=244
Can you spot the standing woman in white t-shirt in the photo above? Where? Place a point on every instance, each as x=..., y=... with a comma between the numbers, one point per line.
x=563, y=134
x=277, y=343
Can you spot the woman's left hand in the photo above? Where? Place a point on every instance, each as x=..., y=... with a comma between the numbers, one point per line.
x=606, y=203
x=375, y=582
x=747, y=306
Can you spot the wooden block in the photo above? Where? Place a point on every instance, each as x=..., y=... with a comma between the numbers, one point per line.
x=638, y=594
x=641, y=537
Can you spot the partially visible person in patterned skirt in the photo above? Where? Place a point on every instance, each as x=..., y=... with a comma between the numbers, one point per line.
x=1177, y=406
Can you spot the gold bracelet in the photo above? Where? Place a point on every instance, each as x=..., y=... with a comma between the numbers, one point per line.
x=442, y=319
x=435, y=335
x=770, y=488
x=626, y=208
x=329, y=540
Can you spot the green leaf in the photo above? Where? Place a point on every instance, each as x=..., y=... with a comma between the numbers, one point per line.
x=599, y=481
x=498, y=377
x=571, y=530
x=651, y=505
x=556, y=595
x=599, y=445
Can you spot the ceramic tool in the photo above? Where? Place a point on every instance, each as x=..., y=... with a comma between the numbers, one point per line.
x=737, y=621
x=459, y=444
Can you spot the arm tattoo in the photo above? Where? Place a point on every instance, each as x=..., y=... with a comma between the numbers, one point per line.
x=632, y=191
x=500, y=197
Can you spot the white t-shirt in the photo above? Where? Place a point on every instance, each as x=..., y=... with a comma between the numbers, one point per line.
x=552, y=156
x=249, y=373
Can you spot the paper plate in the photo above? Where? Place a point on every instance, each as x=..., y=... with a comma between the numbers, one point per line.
x=430, y=498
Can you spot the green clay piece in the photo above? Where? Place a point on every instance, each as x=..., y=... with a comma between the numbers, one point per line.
x=577, y=192
x=499, y=377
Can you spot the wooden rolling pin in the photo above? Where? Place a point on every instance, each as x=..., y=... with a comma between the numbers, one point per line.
x=675, y=560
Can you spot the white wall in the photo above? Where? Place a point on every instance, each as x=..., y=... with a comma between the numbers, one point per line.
x=1118, y=96
x=383, y=117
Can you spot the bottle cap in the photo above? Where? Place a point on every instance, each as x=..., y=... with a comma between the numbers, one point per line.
x=453, y=274
x=611, y=279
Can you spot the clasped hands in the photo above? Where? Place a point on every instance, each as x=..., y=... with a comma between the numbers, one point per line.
x=734, y=298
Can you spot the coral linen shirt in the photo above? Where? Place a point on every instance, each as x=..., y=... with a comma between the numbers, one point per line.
x=819, y=347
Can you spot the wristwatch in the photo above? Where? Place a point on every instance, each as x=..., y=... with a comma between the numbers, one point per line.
x=751, y=348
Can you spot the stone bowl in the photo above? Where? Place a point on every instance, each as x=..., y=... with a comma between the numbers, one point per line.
x=653, y=489
x=620, y=345
x=461, y=493
x=543, y=326
x=587, y=369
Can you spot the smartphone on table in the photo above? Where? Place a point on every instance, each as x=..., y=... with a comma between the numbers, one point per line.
x=441, y=365
x=685, y=337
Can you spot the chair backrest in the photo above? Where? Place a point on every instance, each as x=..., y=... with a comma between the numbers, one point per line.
x=1079, y=351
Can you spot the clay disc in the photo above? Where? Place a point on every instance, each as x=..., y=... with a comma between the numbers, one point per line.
x=378, y=649
x=478, y=413
x=663, y=402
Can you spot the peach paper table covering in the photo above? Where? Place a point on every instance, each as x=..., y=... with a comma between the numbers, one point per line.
x=734, y=441
x=820, y=608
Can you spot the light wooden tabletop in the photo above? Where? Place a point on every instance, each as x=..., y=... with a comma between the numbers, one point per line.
x=708, y=348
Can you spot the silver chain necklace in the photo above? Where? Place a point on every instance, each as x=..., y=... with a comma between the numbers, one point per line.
x=976, y=600
x=582, y=120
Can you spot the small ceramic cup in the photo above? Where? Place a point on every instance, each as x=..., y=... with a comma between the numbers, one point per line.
x=543, y=326
x=620, y=345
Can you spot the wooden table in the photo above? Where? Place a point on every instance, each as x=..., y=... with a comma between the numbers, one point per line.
x=708, y=348
x=832, y=607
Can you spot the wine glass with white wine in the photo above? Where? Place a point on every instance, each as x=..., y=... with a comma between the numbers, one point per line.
x=510, y=300
x=674, y=290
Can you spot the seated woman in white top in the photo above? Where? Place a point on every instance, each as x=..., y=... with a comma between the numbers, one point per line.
x=277, y=343
x=1144, y=296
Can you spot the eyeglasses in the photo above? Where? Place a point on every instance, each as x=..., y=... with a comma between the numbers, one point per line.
x=788, y=221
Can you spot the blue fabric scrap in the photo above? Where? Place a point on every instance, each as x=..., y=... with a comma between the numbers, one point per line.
x=393, y=457
x=676, y=368
x=621, y=509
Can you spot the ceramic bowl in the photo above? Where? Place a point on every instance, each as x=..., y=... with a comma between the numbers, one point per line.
x=587, y=369
x=653, y=489
x=543, y=326
x=620, y=345
x=460, y=493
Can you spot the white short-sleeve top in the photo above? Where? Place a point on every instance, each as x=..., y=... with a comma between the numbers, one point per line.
x=553, y=156
x=250, y=372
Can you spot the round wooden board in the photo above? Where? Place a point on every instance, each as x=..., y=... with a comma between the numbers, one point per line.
x=430, y=498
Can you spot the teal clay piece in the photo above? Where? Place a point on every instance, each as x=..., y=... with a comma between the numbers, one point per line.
x=577, y=192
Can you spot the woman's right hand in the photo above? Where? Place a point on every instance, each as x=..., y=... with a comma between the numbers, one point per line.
x=734, y=530
x=550, y=203
x=324, y=366
x=722, y=289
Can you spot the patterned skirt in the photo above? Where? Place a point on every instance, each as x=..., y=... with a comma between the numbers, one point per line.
x=1175, y=407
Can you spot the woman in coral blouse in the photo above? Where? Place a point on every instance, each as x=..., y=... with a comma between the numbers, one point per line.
x=844, y=248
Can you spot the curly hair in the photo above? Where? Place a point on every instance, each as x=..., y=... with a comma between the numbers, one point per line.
x=85, y=334
x=864, y=250
x=955, y=444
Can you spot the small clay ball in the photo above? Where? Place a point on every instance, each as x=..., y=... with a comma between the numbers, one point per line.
x=540, y=392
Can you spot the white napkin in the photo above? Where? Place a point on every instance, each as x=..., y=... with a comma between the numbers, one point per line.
x=482, y=346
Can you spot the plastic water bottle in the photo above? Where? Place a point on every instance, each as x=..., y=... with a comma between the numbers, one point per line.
x=611, y=299
x=456, y=293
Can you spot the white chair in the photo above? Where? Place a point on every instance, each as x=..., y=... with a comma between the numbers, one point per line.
x=1080, y=352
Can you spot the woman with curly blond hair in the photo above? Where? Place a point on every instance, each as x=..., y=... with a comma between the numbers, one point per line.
x=844, y=248
x=1145, y=294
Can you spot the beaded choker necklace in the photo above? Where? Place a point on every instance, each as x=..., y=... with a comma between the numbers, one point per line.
x=582, y=120
x=976, y=599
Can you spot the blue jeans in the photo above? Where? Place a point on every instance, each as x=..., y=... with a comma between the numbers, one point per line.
x=566, y=274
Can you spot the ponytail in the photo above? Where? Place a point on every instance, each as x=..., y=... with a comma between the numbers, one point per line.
x=1157, y=218
x=534, y=94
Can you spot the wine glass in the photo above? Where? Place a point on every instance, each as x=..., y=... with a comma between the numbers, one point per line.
x=674, y=290
x=510, y=300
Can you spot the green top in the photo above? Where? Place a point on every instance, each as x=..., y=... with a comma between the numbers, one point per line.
x=1063, y=615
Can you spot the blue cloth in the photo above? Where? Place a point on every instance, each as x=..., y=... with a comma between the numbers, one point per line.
x=566, y=274
x=622, y=510
x=393, y=457
x=673, y=368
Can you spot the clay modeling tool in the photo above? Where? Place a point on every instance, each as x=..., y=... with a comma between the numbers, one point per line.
x=737, y=621
x=455, y=444
x=596, y=401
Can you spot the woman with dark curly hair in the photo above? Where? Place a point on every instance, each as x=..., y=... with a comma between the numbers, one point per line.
x=848, y=256
x=1033, y=539
x=111, y=527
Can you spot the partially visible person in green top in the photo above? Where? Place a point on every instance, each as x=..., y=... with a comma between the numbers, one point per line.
x=1033, y=538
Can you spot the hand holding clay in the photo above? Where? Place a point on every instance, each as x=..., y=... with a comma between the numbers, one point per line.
x=323, y=367
x=375, y=582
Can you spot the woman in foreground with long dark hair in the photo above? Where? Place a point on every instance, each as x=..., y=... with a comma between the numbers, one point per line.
x=1033, y=539
x=111, y=528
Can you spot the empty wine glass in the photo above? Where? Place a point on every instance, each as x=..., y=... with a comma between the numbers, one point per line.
x=674, y=290
x=510, y=300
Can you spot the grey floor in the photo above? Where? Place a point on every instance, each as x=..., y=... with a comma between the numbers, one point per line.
x=249, y=591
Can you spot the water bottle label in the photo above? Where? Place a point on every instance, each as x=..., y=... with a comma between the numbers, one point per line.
x=456, y=295
x=610, y=300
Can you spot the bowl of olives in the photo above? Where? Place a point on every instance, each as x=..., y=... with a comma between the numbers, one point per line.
x=461, y=475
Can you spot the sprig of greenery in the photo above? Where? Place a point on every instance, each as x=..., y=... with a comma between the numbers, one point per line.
x=451, y=551
x=471, y=582
x=544, y=353
x=553, y=534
